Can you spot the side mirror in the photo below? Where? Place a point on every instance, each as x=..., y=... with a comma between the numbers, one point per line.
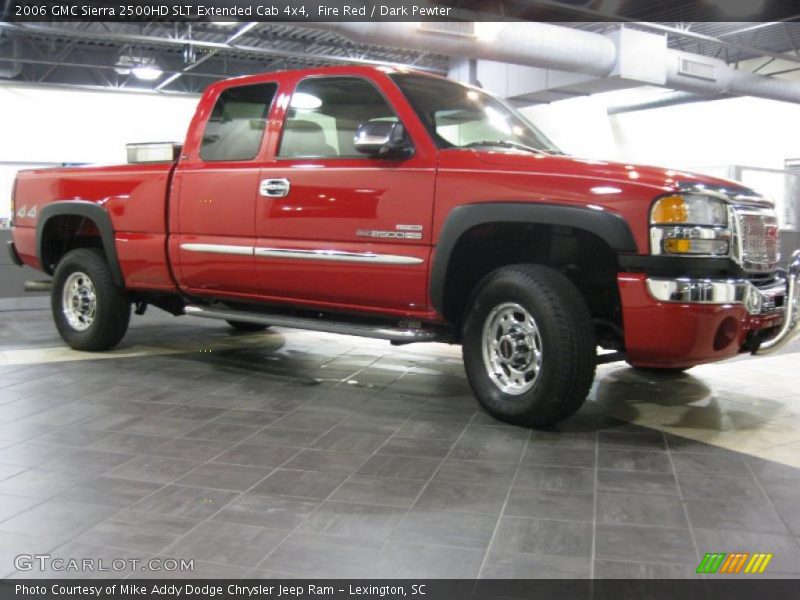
x=382, y=139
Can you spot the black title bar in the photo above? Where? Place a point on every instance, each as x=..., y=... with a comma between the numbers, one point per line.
x=744, y=588
x=299, y=11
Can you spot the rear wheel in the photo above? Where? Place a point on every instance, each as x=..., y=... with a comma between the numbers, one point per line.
x=246, y=327
x=90, y=311
x=528, y=345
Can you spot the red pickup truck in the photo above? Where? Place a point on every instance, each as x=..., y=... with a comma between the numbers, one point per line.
x=392, y=204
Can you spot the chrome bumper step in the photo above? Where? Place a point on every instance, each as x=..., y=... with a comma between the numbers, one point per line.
x=397, y=335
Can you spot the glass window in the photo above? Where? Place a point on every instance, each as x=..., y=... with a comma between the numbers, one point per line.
x=324, y=114
x=460, y=116
x=237, y=123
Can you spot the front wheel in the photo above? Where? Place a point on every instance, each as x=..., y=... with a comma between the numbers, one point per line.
x=90, y=311
x=528, y=344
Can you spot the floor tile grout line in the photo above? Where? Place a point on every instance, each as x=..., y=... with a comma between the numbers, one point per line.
x=324, y=500
x=503, y=508
x=429, y=479
x=235, y=445
x=237, y=495
x=683, y=499
x=594, y=507
x=174, y=482
x=761, y=488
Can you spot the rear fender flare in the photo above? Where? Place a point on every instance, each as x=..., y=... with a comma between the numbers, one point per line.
x=89, y=210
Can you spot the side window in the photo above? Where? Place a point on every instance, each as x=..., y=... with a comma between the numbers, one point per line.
x=325, y=112
x=237, y=123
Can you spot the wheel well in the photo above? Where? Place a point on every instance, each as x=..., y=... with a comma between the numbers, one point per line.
x=63, y=233
x=587, y=260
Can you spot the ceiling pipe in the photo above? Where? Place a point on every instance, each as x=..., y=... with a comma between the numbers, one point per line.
x=537, y=44
x=562, y=48
x=15, y=68
x=661, y=101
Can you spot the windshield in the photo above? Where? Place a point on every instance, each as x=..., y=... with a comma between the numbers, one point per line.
x=458, y=116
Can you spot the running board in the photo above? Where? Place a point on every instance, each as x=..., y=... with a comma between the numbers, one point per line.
x=396, y=335
x=38, y=286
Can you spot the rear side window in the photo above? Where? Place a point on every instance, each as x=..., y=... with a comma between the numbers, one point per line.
x=324, y=114
x=237, y=123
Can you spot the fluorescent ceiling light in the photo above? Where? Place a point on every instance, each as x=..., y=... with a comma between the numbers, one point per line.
x=147, y=72
x=303, y=101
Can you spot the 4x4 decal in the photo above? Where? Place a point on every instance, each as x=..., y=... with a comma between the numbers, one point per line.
x=23, y=211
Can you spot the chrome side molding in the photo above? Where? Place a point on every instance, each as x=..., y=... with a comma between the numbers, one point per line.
x=340, y=256
x=219, y=249
x=393, y=334
x=332, y=255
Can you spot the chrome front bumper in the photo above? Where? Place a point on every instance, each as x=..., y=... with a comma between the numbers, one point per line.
x=781, y=295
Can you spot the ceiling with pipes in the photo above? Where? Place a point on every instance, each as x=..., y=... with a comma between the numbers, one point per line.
x=186, y=57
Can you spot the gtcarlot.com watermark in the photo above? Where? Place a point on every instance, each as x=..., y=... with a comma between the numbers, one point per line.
x=50, y=563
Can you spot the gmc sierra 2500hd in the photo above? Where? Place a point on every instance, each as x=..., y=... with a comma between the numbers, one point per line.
x=391, y=204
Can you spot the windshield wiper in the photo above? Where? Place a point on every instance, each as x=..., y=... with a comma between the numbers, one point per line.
x=505, y=144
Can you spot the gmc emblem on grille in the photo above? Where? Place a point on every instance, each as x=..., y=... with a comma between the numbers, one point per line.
x=772, y=233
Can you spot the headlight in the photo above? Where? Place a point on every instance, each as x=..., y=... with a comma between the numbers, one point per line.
x=689, y=210
x=690, y=224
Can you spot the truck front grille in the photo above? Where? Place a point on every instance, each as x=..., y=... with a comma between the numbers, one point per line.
x=758, y=240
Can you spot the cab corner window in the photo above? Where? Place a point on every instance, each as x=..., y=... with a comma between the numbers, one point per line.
x=237, y=124
x=325, y=112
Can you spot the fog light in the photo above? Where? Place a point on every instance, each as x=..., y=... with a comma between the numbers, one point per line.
x=753, y=301
x=696, y=246
x=726, y=333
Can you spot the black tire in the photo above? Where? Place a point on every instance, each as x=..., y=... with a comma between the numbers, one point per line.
x=112, y=307
x=246, y=327
x=663, y=371
x=566, y=337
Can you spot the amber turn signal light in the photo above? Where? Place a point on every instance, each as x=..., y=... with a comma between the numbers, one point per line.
x=670, y=209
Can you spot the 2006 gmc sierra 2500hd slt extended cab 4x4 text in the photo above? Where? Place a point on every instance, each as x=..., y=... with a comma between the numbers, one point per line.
x=399, y=205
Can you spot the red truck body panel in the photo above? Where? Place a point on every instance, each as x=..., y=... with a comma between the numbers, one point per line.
x=156, y=209
x=135, y=197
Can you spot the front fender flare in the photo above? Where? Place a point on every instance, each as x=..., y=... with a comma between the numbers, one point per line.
x=89, y=210
x=609, y=227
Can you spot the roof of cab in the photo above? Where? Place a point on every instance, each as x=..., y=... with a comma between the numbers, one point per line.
x=295, y=74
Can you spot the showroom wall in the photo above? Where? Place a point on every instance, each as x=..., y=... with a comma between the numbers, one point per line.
x=705, y=136
x=53, y=125
x=736, y=131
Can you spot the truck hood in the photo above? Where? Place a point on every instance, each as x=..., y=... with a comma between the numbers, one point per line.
x=663, y=179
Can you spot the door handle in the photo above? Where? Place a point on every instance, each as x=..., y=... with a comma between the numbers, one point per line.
x=274, y=188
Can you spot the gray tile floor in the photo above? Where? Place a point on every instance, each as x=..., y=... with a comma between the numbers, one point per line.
x=311, y=455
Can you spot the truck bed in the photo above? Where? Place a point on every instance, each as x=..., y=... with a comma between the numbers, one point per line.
x=134, y=196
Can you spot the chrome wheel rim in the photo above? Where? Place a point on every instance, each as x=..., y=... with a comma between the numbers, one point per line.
x=512, y=348
x=78, y=301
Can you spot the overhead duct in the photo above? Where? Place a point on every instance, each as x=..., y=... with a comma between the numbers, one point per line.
x=534, y=44
x=563, y=49
x=712, y=77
